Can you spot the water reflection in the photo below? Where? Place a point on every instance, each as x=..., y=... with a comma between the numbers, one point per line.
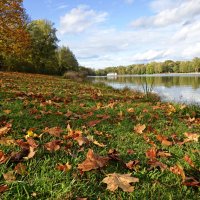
x=177, y=88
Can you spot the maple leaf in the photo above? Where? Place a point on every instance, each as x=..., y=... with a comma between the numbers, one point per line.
x=151, y=153
x=20, y=169
x=4, y=130
x=93, y=161
x=164, y=140
x=3, y=188
x=122, y=181
x=132, y=164
x=55, y=131
x=178, y=169
x=53, y=145
x=63, y=167
x=155, y=163
x=9, y=176
x=139, y=128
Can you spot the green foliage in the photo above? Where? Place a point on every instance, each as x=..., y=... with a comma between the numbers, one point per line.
x=168, y=66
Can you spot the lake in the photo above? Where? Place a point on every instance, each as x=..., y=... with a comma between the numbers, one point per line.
x=184, y=88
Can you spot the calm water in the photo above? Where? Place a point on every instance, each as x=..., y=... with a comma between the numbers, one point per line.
x=174, y=87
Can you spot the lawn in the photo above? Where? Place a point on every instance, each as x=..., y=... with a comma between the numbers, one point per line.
x=61, y=139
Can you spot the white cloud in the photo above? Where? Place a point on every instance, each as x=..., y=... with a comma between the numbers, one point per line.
x=178, y=13
x=80, y=19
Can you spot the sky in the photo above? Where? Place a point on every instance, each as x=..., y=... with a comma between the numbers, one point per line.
x=104, y=33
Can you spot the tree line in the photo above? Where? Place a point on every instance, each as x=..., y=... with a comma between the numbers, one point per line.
x=32, y=46
x=167, y=66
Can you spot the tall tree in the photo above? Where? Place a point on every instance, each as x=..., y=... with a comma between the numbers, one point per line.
x=67, y=60
x=14, y=39
x=43, y=46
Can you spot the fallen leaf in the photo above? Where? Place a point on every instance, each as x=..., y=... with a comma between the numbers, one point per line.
x=7, y=111
x=7, y=141
x=132, y=164
x=113, y=154
x=155, y=163
x=163, y=154
x=151, y=153
x=93, y=123
x=81, y=140
x=4, y=130
x=178, y=169
x=139, y=128
x=122, y=181
x=191, y=137
x=55, y=131
x=98, y=144
x=9, y=176
x=189, y=160
x=18, y=156
x=93, y=161
x=53, y=145
x=20, y=169
x=130, y=110
x=63, y=167
x=3, y=188
x=190, y=181
x=3, y=157
x=30, y=154
x=32, y=142
x=164, y=140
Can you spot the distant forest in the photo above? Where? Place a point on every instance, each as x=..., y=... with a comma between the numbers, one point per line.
x=168, y=66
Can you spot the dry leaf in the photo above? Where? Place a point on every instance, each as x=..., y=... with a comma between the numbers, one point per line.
x=139, y=128
x=163, y=154
x=3, y=188
x=4, y=130
x=30, y=154
x=155, y=163
x=132, y=164
x=66, y=167
x=98, y=144
x=189, y=160
x=164, y=140
x=191, y=137
x=55, y=131
x=81, y=140
x=122, y=181
x=7, y=111
x=178, y=169
x=53, y=145
x=7, y=141
x=9, y=176
x=3, y=157
x=20, y=169
x=151, y=153
x=190, y=181
x=93, y=123
x=93, y=161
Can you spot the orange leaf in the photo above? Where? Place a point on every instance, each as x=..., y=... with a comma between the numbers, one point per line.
x=178, y=169
x=3, y=158
x=3, y=188
x=189, y=160
x=132, y=164
x=164, y=140
x=93, y=161
x=66, y=167
x=151, y=153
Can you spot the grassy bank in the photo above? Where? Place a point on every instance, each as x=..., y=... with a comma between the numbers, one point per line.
x=48, y=125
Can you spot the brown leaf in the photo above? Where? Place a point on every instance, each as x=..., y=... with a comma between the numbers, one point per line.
x=151, y=153
x=93, y=123
x=164, y=140
x=30, y=154
x=163, y=154
x=3, y=157
x=18, y=156
x=93, y=161
x=20, y=169
x=3, y=188
x=190, y=181
x=66, y=167
x=122, y=181
x=113, y=154
x=81, y=140
x=189, y=160
x=9, y=176
x=178, y=169
x=132, y=164
x=139, y=128
x=53, y=145
x=4, y=130
x=55, y=131
x=155, y=163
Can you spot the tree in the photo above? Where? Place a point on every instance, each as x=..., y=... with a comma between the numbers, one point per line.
x=14, y=38
x=43, y=46
x=67, y=60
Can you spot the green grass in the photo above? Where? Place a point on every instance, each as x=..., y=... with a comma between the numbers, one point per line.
x=39, y=101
